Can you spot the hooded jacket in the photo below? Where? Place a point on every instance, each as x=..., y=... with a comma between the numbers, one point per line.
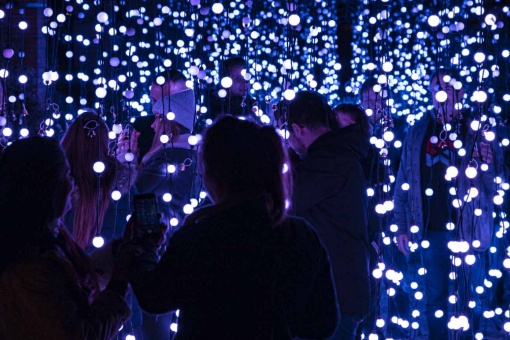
x=330, y=193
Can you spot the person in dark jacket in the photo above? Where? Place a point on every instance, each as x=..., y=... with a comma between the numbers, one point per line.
x=241, y=268
x=355, y=127
x=330, y=193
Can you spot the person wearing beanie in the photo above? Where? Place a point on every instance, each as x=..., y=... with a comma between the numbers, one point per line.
x=169, y=169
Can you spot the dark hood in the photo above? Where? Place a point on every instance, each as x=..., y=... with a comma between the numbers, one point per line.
x=349, y=138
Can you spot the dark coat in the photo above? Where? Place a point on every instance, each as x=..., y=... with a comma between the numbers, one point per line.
x=330, y=193
x=53, y=293
x=235, y=276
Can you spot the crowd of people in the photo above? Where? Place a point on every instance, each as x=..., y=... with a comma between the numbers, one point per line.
x=289, y=240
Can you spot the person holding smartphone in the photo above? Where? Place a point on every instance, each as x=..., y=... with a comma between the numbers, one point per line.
x=241, y=268
x=168, y=168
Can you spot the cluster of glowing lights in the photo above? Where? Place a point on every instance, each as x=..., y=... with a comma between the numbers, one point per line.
x=400, y=45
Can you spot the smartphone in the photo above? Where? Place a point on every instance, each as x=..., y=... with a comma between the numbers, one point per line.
x=146, y=209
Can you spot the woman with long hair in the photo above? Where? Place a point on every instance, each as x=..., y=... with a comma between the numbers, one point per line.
x=47, y=286
x=85, y=143
x=241, y=268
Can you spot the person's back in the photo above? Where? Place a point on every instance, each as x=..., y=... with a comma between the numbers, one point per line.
x=236, y=276
x=241, y=269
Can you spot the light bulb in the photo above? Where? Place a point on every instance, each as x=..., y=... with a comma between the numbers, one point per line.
x=98, y=167
x=116, y=195
x=98, y=241
x=294, y=19
x=226, y=82
x=434, y=21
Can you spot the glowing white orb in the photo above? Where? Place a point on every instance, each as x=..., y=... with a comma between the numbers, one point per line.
x=171, y=168
x=102, y=17
x=164, y=139
x=441, y=96
x=217, y=8
x=294, y=19
x=170, y=115
x=129, y=156
x=434, y=21
x=226, y=82
x=116, y=195
x=98, y=167
x=98, y=241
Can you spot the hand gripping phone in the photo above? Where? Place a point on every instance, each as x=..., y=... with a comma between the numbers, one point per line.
x=146, y=209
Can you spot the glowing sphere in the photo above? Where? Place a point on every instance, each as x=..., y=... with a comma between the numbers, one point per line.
x=7, y=132
x=129, y=156
x=434, y=21
x=380, y=209
x=388, y=136
x=387, y=66
x=164, y=139
x=114, y=61
x=8, y=53
x=102, y=17
x=471, y=172
x=226, y=82
x=167, y=197
x=294, y=19
x=479, y=57
x=441, y=96
x=171, y=168
x=452, y=172
x=498, y=199
x=116, y=195
x=187, y=209
x=192, y=140
x=22, y=25
x=48, y=12
x=289, y=94
x=170, y=115
x=98, y=242
x=217, y=8
x=98, y=167
x=23, y=79
x=222, y=93
x=101, y=92
x=489, y=136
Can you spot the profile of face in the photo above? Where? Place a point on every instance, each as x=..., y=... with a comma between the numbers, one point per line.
x=372, y=102
x=239, y=86
x=158, y=124
x=296, y=140
x=449, y=108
